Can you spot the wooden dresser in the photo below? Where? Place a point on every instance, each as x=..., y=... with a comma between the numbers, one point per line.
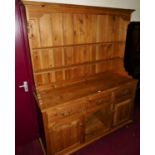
x=81, y=85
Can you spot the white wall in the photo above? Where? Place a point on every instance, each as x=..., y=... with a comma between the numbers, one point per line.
x=129, y=4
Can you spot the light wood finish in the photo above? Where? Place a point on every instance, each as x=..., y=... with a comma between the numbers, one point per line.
x=81, y=86
x=65, y=134
x=122, y=112
x=71, y=42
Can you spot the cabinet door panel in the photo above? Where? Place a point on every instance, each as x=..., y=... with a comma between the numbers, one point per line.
x=64, y=135
x=122, y=112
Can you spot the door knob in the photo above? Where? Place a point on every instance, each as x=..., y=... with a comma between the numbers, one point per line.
x=25, y=86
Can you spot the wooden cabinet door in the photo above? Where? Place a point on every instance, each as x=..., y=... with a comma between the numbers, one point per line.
x=122, y=112
x=65, y=135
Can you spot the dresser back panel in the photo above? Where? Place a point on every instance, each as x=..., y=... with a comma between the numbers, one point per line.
x=71, y=43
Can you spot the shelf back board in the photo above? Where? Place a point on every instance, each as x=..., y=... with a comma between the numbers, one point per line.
x=70, y=43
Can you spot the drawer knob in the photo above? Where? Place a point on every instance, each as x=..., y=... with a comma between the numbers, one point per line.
x=64, y=113
x=126, y=92
x=99, y=102
x=81, y=124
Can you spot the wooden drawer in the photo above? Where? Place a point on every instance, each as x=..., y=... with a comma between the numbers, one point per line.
x=124, y=92
x=65, y=110
x=99, y=99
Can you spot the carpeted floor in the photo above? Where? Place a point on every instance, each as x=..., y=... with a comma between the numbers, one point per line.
x=125, y=141
x=33, y=148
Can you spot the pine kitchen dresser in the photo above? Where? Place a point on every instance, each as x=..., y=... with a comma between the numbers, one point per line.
x=81, y=86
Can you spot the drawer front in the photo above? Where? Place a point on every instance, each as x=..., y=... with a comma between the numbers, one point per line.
x=99, y=99
x=124, y=92
x=66, y=110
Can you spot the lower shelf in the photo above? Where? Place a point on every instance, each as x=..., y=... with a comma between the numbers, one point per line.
x=94, y=127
